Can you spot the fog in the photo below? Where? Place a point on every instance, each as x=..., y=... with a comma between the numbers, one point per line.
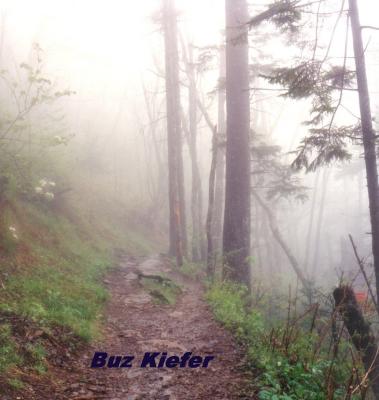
x=107, y=51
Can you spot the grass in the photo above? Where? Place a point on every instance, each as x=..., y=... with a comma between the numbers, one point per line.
x=63, y=286
x=192, y=269
x=282, y=356
x=15, y=383
x=52, y=275
x=8, y=350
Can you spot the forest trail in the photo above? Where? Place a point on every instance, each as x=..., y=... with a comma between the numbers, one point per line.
x=135, y=324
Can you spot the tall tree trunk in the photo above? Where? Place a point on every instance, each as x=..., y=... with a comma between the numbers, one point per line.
x=367, y=134
x=211, y=262
x=182, y=196
x=174, y=142
x=320, y=220
x=220, y=163
x=236, y=235
x=150, y=104
x=311, y=220
x=196, y=192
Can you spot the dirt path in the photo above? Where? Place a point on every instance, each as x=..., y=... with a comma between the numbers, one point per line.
x=136, y=324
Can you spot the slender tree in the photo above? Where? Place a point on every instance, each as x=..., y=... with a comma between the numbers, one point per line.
x=236, y=235
x=191, y=135
x=368, y=134
x=211, y=200
x=174, y=140
x=220, y=162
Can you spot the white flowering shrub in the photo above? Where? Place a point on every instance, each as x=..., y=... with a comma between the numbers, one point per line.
x=13, y=232
x=9, y=238
x=44, y=189
x=32, y=127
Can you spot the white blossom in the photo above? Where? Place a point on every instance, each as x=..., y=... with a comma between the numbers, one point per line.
x=58, y=139
x=12, y=228
x=49, y=195
x=38, y=189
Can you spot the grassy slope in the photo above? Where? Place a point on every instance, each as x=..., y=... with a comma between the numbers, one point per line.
x=51, y=276
x=286, y=359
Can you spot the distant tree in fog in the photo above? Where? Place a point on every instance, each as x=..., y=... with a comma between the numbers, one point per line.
x=178, y=235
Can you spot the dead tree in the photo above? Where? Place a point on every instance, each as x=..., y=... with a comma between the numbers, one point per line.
x=368, y=134
x=360, y=333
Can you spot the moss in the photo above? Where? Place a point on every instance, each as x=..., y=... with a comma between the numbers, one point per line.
x=164, y=292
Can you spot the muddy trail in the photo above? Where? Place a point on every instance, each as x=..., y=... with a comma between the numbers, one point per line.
x=136, y=323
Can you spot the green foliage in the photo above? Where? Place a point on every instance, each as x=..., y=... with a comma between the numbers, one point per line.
x=8, y=353
x=228, y=303
x=64, y=288
x=325, y=145
x=37, y=353
x=192, y=269
x=279, y=179
x=300, y=81
x=8, y=243
x=54, y=277
x=288, y=18
x=15, y=383
x=30, y=124
x=283, y=357
x=282, y=13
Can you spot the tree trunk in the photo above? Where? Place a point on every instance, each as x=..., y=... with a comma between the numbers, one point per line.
x=320, y=220
x=211, y=262
x=311, y=220
x=360, y=333
x=279, y=238
x=174, y=142
x=220, y=163
x=182, y=196
x=150, y=103
x=196, y=192
x=236, y=235
x=367, y=134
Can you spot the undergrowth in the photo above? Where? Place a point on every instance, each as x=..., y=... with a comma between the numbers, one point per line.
x=193, y=269
x=289, y=359
x=51, y=275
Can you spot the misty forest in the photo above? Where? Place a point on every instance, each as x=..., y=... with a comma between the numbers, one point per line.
x=189, y=199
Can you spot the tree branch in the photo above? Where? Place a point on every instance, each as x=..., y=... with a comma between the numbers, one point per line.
x=369, y=27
